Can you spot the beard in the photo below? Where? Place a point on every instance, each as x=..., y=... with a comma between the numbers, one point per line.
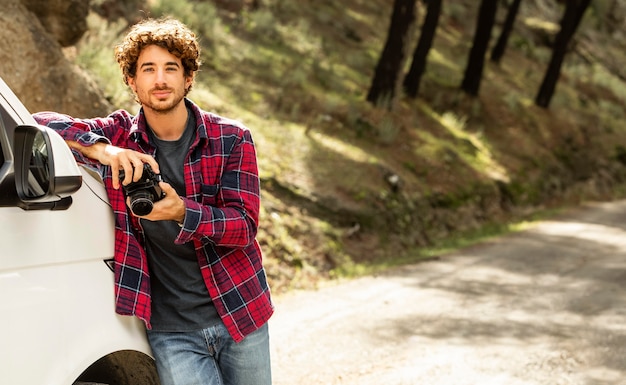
x=161, y=106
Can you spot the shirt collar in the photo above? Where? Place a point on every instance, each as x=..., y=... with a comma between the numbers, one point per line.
x=139, y=129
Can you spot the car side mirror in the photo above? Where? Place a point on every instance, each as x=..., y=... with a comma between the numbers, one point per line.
x=46, y=173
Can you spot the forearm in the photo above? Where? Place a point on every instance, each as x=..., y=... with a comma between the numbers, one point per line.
x=93, y=152
x=84, y=131
x=224, y=226
x=228, y=213
x=80, y=135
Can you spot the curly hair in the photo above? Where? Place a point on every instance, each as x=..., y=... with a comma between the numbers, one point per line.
x=167, y=33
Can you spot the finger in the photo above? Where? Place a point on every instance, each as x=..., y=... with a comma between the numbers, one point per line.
x=115, y=175
x=167, y=188
x=138, y=169
x=152, y=162
x=139, y=159
x=129, y=173
x=113, y=156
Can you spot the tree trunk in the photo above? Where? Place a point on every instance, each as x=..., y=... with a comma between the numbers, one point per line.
x=500, y=47
x=383, y=88
x=476, y=62
x=418, y=65
x=574, y=11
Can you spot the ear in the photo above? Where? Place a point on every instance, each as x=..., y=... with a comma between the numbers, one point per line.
x=189, y=81
x=131, y=83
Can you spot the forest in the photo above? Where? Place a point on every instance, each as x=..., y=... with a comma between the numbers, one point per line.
x=389, y=132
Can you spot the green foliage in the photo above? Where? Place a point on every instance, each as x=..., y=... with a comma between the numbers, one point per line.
x=262, y=24
x=200, y=16
x=603, y=78
x=95, y=53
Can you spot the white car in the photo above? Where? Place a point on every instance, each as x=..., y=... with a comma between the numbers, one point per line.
x=57, y=320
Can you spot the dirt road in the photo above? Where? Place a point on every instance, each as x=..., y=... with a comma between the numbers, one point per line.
x=543, y=306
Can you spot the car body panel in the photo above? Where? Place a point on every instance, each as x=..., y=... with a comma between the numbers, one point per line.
x=57, y=316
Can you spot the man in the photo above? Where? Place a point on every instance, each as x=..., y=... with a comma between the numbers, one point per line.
x=191, y=268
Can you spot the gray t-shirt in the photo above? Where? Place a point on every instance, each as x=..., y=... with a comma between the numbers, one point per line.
x=180, y=299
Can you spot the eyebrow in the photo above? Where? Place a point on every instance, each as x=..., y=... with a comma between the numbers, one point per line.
x=169, y=63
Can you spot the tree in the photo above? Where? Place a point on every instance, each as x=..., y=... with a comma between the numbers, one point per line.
x=498, y=50
x=482, y=35
x=574, y=11
x=385, y=81
x=418, y=64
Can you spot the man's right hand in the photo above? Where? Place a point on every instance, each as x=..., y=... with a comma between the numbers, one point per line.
x=119, y=159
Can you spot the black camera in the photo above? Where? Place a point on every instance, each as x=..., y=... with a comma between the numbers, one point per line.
x=144, y=192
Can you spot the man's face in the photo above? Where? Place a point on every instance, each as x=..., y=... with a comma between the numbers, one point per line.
x=160, y=80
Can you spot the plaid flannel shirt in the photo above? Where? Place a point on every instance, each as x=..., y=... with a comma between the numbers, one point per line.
x=222, y=209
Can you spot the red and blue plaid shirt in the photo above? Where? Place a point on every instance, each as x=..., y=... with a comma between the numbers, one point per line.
x=222, y=210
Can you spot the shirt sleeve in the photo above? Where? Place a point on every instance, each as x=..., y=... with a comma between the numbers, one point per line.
x=234, y=221
x=86, y=132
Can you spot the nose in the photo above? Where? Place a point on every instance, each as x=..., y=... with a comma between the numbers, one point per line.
x=160, y=76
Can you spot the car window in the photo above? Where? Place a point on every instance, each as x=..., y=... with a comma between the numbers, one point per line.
x=8, y=126
x=39, y=179
x=2, y=160
x=4, y=152
x=8, y=194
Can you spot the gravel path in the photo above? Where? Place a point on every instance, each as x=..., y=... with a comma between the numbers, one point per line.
x=543, y=306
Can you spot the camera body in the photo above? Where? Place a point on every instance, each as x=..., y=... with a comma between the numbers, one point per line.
x=144, y=192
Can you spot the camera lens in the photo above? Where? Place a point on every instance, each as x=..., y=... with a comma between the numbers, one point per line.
x=141, y=203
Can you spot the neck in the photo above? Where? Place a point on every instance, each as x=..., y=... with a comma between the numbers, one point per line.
x=167, y=125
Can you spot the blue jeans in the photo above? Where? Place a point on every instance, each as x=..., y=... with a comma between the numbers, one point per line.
x=211, y=357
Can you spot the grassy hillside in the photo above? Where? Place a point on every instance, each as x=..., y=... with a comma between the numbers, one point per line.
x=297, y=74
